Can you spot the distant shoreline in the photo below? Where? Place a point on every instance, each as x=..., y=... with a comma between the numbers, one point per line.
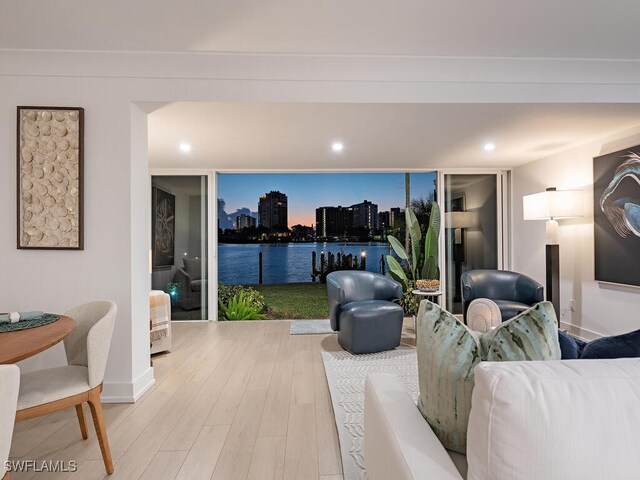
x=340, y=242
x=238, y=264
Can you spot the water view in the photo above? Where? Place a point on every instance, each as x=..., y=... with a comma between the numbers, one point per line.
x=286, y=263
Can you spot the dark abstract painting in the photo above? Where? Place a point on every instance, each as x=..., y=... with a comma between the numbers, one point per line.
x=616, y=189
x=164, y=228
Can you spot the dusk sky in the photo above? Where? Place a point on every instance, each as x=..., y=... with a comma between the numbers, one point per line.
x=307, y=191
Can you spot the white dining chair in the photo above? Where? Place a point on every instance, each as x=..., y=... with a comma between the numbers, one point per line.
x=52, y=389
x=9, y=384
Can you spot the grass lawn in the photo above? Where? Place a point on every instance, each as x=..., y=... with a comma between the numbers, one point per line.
x=295, y=300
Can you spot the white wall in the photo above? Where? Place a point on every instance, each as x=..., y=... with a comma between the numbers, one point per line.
x=601, y=309
x=109, y=86
x=58, y=280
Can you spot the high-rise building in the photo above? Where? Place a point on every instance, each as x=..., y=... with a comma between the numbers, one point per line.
x=273, y=211
x=365, y=215
x=337, y=221
x=245, y=221
x=383, y=220
x=394, y=216
x=333, y=221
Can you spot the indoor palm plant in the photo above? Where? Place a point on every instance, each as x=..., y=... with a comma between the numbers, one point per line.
x=418, y=268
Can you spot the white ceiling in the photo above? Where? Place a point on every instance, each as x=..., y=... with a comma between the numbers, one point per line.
x=298, y=136
x=495, y=28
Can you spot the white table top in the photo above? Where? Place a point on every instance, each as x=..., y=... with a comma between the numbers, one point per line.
x=425, y=293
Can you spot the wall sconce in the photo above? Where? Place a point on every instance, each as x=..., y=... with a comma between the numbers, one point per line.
x=460, y=220
x=551, y=206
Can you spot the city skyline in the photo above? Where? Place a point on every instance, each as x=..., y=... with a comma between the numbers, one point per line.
x=308, y=191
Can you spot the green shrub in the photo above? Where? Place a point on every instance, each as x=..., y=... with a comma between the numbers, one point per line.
x=250, y=295
x=239, y=308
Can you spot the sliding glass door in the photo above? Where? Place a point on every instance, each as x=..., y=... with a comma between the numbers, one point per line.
x=179, y=243
x=472, y=229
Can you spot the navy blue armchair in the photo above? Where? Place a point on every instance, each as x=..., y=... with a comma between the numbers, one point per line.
x=363, y=312
x=511, y=291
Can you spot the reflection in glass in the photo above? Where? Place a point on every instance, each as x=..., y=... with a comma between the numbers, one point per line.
x=471, y=239
x=179, y=241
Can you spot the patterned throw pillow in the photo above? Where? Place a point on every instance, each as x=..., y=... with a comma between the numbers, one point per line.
x=617, y=346
x=448, y=351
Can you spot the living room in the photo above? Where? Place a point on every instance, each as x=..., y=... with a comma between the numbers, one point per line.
x=120, y=69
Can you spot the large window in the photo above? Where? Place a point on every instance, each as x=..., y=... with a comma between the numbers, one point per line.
x=281, y=234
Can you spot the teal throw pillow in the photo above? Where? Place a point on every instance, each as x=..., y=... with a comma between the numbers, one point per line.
x=448, y=351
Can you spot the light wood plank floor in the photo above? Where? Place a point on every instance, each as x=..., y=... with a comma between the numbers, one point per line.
x=233, y=400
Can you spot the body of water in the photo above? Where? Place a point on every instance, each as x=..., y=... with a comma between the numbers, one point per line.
x=285, y=263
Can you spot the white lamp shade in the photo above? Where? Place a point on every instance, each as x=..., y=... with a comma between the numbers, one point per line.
x=461, y=220
x=553, y=204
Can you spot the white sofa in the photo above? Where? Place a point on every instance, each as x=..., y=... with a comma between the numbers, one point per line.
x=557, y=420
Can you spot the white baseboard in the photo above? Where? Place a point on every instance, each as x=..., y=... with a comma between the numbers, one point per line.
x=583, y=333
x=128, y=392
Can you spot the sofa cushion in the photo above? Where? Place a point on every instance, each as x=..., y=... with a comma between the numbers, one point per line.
x=619, y=346
x=193, y=267
x=555, y=421
x=570, y=346
x=448, y=351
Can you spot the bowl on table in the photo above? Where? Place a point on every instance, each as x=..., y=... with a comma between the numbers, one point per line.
x=428, y=285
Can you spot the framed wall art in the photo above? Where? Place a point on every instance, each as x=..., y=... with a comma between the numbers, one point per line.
x=163, y=228
x=50, y=178
x=616, y=215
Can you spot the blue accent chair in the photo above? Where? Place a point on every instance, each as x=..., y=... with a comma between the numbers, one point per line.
x=363, y=312
x=511, y=291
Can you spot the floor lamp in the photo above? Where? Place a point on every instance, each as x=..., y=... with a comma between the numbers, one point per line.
x=553, y=205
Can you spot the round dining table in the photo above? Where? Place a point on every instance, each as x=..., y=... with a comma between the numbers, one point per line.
x=21, y=344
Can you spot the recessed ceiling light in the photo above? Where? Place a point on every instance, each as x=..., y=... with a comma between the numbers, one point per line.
x=337, y=146
x=489, y=147
x=185, y=147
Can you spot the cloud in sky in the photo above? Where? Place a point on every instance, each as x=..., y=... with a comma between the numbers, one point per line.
x=228, y=220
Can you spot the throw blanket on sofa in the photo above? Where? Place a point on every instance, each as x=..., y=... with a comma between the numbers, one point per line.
x=160, y=313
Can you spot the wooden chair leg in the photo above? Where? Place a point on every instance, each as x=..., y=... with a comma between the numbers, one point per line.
x=101, y=430
x=81, y=421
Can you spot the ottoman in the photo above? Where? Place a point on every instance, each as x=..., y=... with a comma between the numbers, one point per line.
x=370, y=326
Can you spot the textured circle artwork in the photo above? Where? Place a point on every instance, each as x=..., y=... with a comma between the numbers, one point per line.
x=50, y=178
